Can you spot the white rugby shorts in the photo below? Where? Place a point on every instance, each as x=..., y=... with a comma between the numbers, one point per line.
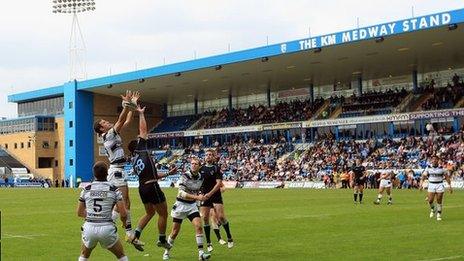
x=103, y=233
x=181, y=210
x=436, y=187
x=116, y=176
x=385, y=183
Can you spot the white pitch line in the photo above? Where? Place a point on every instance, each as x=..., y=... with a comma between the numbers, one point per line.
x=442, y=258
x=23, y=236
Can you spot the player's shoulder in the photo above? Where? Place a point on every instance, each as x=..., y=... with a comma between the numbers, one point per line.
x=88, y=187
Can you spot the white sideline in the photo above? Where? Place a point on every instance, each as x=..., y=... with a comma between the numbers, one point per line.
x=442, y=258
x=23, y=236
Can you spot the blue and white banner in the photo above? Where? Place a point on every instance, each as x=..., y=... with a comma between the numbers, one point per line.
x=375, y=31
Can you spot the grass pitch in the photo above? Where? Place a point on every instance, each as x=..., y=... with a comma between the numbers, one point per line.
x=284, y=224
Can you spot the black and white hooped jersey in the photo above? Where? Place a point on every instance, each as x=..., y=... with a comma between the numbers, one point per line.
x=112, y=142
x=190, y=184
x=435, y=174
x=99, y=198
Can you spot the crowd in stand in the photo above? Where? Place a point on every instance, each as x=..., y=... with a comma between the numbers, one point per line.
x=330, y=161
x=444, y=98
x=296, y=110
x=371, y=100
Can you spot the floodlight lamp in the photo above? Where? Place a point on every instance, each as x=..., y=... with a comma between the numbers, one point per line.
x=379, y=39
x=452, y=27
x=73, y=6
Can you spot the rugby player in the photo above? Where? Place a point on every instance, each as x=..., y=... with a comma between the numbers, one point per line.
x=113, y=145
x=150, y=192
x=435, y=175
x=96, y=203
x=186, y=207
x=358, y=175
x=385, y=185
x=211, y=189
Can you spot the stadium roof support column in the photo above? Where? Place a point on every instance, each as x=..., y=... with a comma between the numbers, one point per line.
x=456, y=124
x=311, y=92
x=268, y=96
x=360, y=85
x=164, y=111
x=414, y=81
x=230, y=107
x=196, y=106
x=78, y=120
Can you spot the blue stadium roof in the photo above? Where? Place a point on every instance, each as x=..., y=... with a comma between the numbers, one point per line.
x=375, y=32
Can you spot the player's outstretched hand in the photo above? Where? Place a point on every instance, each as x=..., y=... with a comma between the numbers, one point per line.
x=127, y=97
x=140, y=109
x=135, y=97
x=201, y=197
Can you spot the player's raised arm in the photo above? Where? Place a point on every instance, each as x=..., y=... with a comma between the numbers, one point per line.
x=126, y=100
x=143, y=130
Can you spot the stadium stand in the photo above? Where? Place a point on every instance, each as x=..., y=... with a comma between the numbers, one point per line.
x=295, y=110
x=178, y=123
x=8, y=162
x=329, y=160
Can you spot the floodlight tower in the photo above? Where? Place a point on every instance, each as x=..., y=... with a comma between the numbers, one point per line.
x=76, y=40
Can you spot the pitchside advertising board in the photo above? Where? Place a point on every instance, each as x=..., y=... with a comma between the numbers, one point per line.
x=353, y=121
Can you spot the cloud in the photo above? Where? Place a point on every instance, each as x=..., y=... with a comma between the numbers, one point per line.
x=120, y=34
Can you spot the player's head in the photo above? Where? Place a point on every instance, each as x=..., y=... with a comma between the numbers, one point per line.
x=194, y=165
x=132, y=145
x=209, y=156
x=102, y=126
x=435, y=160
x=100, y=171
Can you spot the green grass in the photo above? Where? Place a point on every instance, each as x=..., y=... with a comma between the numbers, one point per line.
x=41, y=224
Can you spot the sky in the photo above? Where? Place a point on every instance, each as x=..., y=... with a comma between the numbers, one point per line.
x=121, y=36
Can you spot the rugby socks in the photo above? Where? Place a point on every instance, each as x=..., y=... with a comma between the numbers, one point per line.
x=124, y=258
x=226, y=228
x=207, y=229
x=171, y=241
x=439, y=206
x=432, y=207
x=81, y=258
x=161, y=238
x=360, y=197
x=199, y=239
x=355, y=195
x=390, y=199
x=138, y=233
x=216, y=230
x=115, y=216
x=379, y=197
